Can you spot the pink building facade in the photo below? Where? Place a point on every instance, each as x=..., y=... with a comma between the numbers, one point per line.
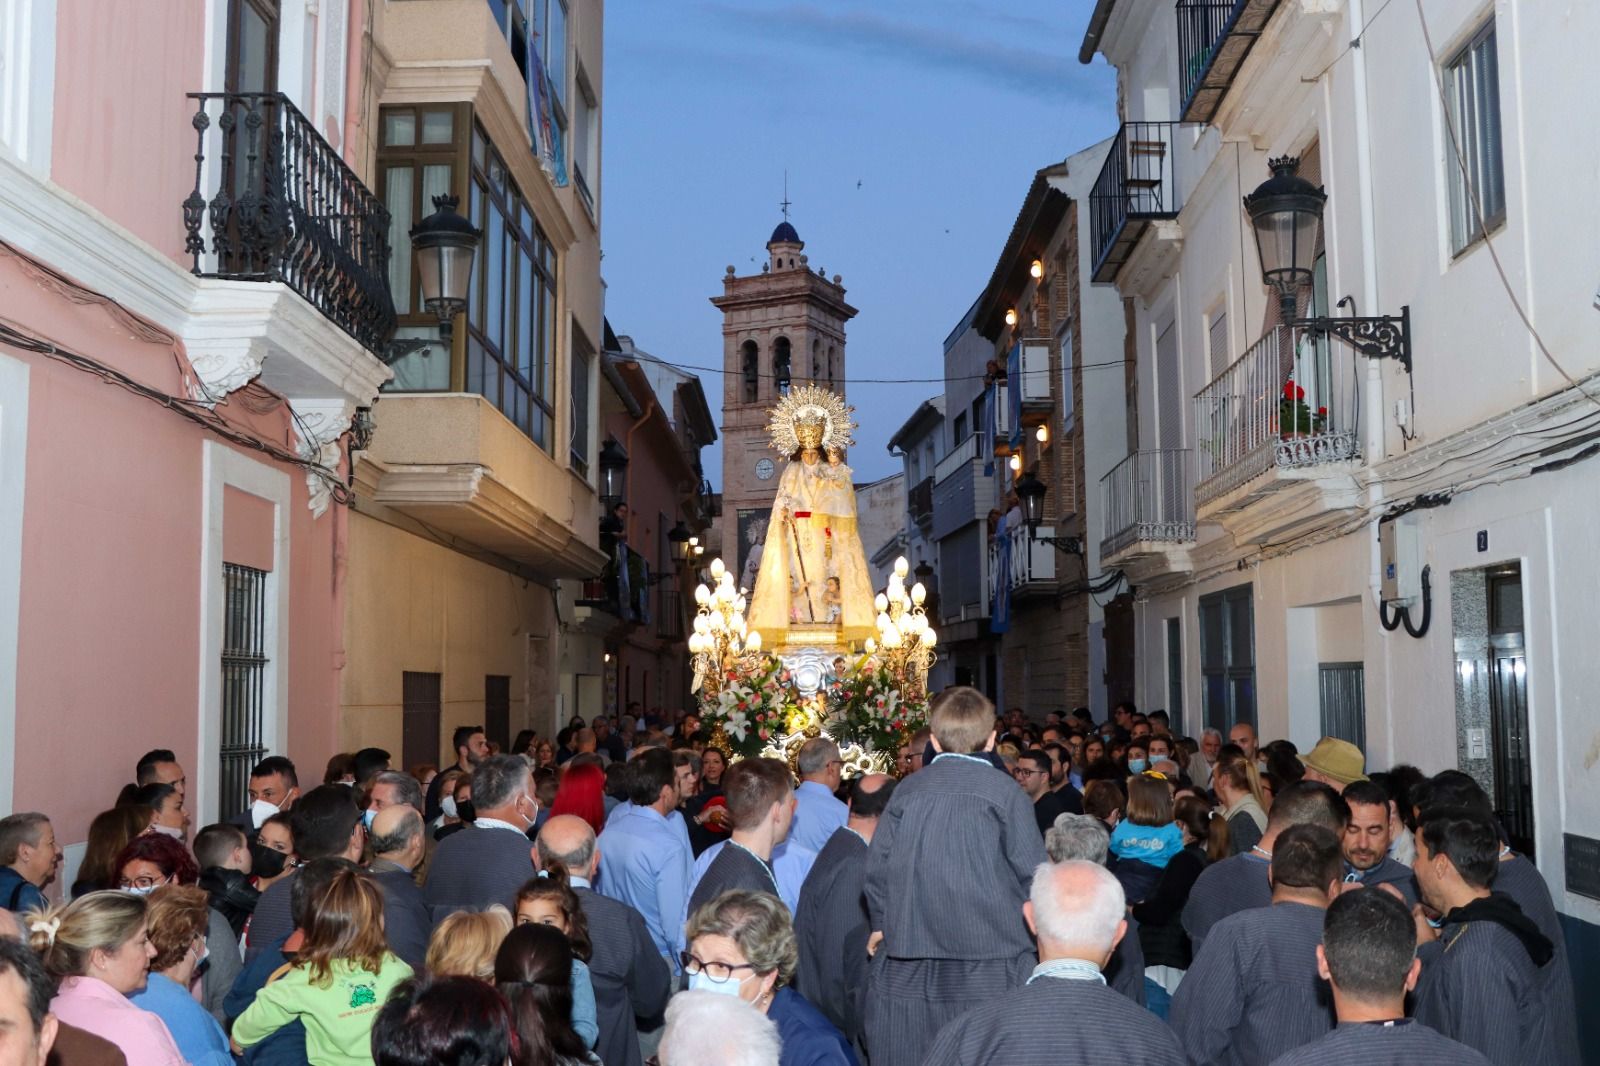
x=174, y=422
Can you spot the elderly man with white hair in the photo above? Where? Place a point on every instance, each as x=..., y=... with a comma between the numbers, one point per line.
x=707, y=1029
x=1083, y=838
x=1075, y=910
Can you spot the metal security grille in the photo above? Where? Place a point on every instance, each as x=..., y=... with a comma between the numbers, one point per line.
x=1227, y=658
x=1344, y=702
x=244, y=674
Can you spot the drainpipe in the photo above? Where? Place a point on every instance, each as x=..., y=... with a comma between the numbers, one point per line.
x=1375, y=429
x=627, y=444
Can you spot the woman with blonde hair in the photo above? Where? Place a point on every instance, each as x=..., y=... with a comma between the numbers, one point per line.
x=742, y=943
x=99, y=949
x=178, y=917
x=464, y=943
x=338, y=981
x=1239, y=791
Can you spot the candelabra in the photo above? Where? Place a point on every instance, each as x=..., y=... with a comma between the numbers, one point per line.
x=905, y=638
x=720, y=636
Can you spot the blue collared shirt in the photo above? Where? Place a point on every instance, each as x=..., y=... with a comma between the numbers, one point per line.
x=817, y=815
x=645, y=863
x=196, y=1033
x=1068, y=970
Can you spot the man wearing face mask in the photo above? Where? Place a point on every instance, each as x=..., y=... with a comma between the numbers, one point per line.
x=274, y=786
x=486, y=864
x=1076, y=913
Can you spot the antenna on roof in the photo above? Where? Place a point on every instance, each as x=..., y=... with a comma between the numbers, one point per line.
x=785, y=204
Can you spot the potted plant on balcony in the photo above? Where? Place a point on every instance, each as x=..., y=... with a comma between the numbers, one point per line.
x=1295, y=416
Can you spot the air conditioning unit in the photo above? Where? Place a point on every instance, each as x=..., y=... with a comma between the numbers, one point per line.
x=1400, y=558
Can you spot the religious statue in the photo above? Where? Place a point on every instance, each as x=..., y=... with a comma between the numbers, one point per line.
x=813, y=572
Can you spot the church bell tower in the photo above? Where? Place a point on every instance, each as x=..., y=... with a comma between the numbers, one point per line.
x=781, y=327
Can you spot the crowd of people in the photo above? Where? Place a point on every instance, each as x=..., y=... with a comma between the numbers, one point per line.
x=1017, y=892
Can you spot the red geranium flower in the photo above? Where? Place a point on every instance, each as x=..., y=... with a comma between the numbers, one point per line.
x=1322, y=412
x=1299, y=393
x=1288, y=389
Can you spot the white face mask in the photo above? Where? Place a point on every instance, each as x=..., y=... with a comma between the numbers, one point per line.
x=448, y=806
x=175, y=834
x=260, y=811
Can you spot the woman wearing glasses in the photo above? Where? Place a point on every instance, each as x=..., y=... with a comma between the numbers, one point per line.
x=743, y=944
x=153, y=860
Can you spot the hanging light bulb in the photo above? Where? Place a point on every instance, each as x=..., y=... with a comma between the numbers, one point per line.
x=1011, y=316
x=1042, y=434
x=1016, y=463
x=1036, y=270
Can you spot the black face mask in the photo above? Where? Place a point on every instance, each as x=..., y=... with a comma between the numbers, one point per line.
x=465, y=811
x=266, y=862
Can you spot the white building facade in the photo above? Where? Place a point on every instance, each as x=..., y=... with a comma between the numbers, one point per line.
x=1277, y=466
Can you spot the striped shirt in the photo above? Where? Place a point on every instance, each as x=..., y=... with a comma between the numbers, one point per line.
x=1397, y=1043
x=1234, y=884
x=1253, y=993
x=1479, y=987
x=1521, y=880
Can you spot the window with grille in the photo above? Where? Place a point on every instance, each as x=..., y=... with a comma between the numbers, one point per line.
x=1343, y=701
x=1227, y=658
x=1175, y=675
x=1477, y=174
x=244, y=676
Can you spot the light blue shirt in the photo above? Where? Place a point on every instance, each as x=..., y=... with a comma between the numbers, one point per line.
x=1069, y=970
x=817, y=815
x=790, y=865
x=645, y=863
x=196, y=1032
x=585, y=1018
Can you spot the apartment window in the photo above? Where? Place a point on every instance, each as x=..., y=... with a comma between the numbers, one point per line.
x=1068, y=397
x=511, y=311
x=420, y=712
x=959, y=429
x=582, y=359
x=1227, y=658
x=1342, y=697
x=497, y=710
x=1217, y=338
x=1175, y=675
x=244, y=677
x=586, y=139
x=1472, y=100
x=550, y=25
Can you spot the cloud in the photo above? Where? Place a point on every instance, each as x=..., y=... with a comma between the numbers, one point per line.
x=1032, y=71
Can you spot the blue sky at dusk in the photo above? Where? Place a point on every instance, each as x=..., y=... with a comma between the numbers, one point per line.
x=910, y=130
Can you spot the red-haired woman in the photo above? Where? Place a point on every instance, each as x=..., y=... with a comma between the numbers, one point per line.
x=583, y=793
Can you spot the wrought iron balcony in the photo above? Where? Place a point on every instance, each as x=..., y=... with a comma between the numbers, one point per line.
x=1292, y=401
x=1025, y=564
x=273, y=201
x=1148, y=497
x=1214, y=37
x=1137, y=185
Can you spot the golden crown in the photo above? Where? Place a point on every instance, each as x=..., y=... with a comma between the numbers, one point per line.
x=810, y=407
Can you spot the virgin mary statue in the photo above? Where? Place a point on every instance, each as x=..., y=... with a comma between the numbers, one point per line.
x=813, y=571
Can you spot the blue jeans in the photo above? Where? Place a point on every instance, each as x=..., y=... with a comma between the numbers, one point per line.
x=1157, y=999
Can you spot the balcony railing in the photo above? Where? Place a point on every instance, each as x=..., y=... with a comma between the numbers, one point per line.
x=1290, y=401
x=1137, y=185
x=1021, y=561
x=919, y=503
x=1214, y=37
x=1149, y=496
x=273, y=201
x=965, y=452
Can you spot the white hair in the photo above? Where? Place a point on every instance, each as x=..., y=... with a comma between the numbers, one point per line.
x=707, y=1029
x=1077, y=837
x=1077, y=903
x=1210, y=731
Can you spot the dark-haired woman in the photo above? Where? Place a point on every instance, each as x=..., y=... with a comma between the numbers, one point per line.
x=534, y=972
x=443, y=1021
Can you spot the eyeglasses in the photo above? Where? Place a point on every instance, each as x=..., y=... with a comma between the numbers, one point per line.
x=140, y=882
x=717, y=971
x=1020, y=772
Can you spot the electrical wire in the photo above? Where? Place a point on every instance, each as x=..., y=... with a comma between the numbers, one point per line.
x=15, y=336
x=1355, y=42
x=691, y=367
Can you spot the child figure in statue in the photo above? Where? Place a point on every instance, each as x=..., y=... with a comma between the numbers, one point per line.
x=832, y=603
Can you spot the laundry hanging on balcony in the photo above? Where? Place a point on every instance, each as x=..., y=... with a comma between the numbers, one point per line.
x=548, y=148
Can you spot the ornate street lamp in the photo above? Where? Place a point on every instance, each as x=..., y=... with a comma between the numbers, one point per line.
x=1031, y=491
x=680, y=537
x=613, y=470
x=445, y=245
x=1286, y=213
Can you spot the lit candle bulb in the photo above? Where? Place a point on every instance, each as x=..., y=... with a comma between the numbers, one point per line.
x=918, y=593
x=753, y=641
x=702, y=595
x=881, y=603
x=929, y=638
x=717, y=569
x=901, y=567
